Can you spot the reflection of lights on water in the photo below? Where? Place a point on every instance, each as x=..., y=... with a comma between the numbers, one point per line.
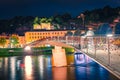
x=6, y=64
x=12, y=67
x=28, y=67
x=41, y=67
x=48, y=61
x=0, y=62
x=18, y=64
x=79, y=58
x=59, y=73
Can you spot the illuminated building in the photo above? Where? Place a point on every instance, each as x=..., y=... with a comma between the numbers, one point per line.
x=21, y=41
x=42, y=26
x=31, y=36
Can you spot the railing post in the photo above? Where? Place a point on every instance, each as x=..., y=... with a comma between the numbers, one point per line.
x=87, y=44
x=108, y=51
x=72, y=41
x=79, y=39
x=95, y=43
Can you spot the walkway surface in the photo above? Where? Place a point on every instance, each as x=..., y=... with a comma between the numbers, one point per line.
x=110, y=61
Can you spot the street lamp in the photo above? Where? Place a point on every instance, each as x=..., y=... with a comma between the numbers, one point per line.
x=83, y=19
x=108, y=36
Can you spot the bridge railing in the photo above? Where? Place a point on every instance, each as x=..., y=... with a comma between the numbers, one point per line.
x=103, y=49
x=70, y=40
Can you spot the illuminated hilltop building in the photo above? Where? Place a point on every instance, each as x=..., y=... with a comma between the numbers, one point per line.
x=42, y=23
x=43, y=26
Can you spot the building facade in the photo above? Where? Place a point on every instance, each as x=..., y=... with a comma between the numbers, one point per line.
x=31, y=36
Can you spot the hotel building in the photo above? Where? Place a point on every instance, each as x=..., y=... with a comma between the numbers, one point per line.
x=31, y=36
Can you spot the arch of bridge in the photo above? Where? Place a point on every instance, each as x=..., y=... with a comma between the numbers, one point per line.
x=50, y=42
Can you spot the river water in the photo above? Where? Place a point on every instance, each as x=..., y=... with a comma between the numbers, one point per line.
x=80, y=67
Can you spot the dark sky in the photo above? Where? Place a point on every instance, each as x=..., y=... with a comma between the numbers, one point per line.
x=11, y=8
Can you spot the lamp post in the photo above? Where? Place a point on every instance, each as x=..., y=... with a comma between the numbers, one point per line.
x=83, y=19
x=108, y=36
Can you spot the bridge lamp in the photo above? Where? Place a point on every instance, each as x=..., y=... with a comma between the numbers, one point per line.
x=27, y=48
x=48, y=45
x=108, y=47
x=109, y=35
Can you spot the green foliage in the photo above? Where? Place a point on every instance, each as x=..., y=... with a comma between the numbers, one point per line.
x=106, y=14
x=2, y=41
x=36, y=20
x=14, y=40
x=117, y=28
x=43, y=20
x=36, y=24
x=104, y=29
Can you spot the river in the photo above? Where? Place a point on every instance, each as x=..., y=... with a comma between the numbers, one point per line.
x=81, y=67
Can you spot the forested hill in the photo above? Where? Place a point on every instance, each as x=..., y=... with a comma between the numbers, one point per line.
x=20, y=24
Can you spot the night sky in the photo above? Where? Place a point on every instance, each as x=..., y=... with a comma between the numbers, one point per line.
x=47, y=8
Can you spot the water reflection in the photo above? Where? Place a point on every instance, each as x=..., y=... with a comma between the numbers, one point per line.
x=28, y=68
x=59, y=73
x=40, y=67
x=12, y=68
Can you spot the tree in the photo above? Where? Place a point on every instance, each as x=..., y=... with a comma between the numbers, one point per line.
x=69, y=33
x=77, y=32
x=66, y=17
x=14, y=40
x=36, y=20
x=3, y=41
x=45, y=20
x=117, y=28
x=104, y=29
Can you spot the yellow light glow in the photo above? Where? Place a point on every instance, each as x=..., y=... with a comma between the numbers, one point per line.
x=28, y=68
x=41, y=67
x=109, y=35
x=12, y=67
x=27, y=48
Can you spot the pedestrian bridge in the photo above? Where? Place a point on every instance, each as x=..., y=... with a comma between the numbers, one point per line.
x=105, y=50
x=52, y=43
x=69, y=42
